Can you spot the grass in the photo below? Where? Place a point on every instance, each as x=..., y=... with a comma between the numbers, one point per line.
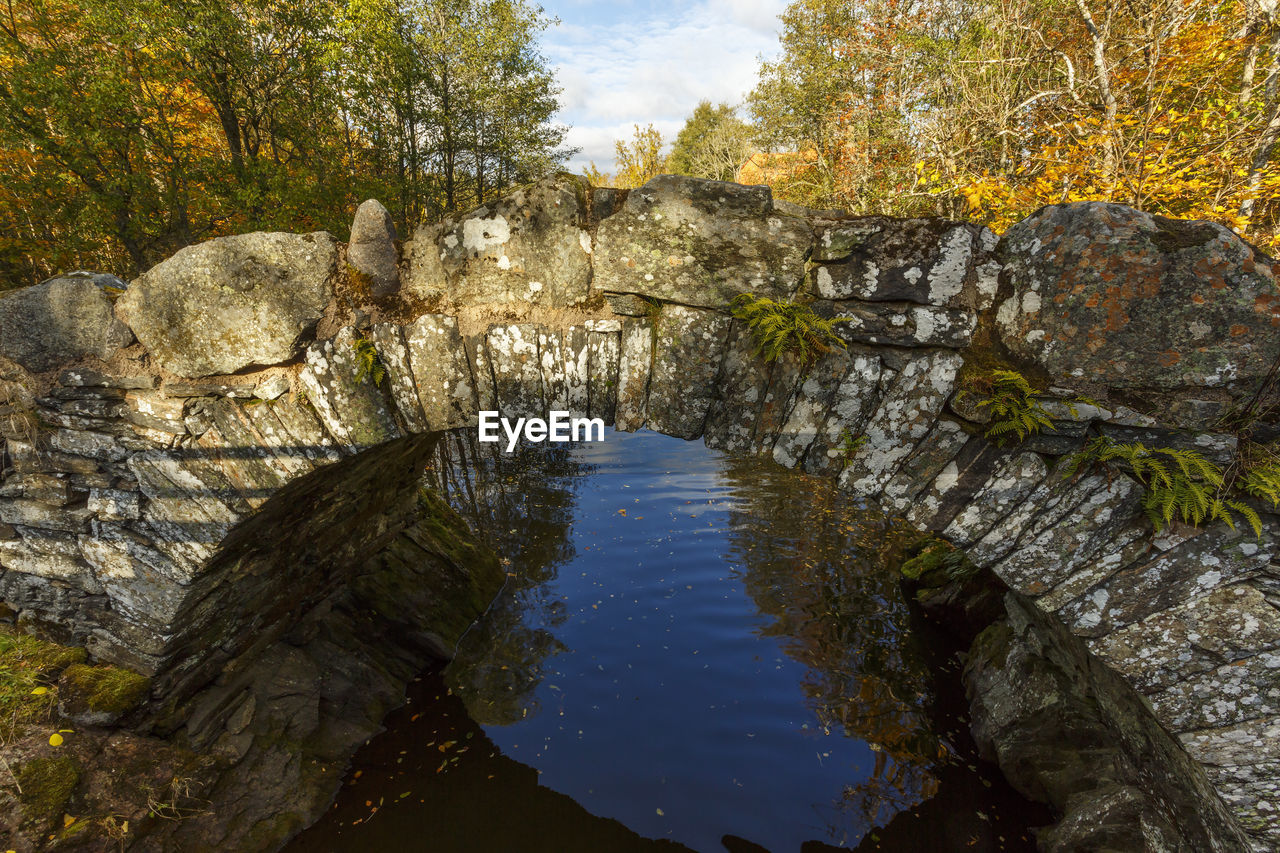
x=28, y=669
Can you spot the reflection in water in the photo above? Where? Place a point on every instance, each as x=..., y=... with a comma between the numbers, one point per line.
x=815, y=564
x=705, y=649
x=522, y=504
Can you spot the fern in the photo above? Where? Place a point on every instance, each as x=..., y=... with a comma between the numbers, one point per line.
x=1015, y=410
x=1180, y=484
x=779, y=327
x=368, y=362
x=850, y=444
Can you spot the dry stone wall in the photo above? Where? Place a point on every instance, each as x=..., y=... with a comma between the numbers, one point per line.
x=126, y=475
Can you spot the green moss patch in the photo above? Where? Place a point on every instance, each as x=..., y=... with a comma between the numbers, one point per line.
x=107, y=689
x=47, y=785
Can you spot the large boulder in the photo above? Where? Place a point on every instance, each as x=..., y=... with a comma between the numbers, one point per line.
x=371, y=252
x=230, y=303
x=701, y=243
x=60, y=320
x=531, y=246
x=1106, y=295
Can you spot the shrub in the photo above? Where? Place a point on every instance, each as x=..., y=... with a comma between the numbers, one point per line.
x=779, y=327
x=1014, y=407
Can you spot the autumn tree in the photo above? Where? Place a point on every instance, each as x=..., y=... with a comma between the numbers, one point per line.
x=129, y=128
x=637, y=160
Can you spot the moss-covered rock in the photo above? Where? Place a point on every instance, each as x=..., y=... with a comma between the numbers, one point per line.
x=100, y=695
x=47, y=784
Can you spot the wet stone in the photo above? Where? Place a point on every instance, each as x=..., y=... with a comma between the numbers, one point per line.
x=810, y=405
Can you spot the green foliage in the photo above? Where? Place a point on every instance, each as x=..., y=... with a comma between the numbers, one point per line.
x=47, y=784
x=850, y=443
x=368, y=362
x=1263, y=481
x=713, y=144
x=935, y=556
x=1180, y=484
x=780, y=327
x=1015, y=410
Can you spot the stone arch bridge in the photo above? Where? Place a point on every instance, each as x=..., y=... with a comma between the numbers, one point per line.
x=290, y=383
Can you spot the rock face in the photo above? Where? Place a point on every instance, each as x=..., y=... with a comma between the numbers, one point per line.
x=922, y=261
x=1069, y=732
x=1102, y=293
x=700, y=243
x=229, y=303
x=371, y=253
x=58, y=321
x=531, y=246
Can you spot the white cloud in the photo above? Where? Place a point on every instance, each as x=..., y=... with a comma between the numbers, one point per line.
x=654, y=67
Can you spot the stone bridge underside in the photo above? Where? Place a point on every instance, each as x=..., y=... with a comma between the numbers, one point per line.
x=129, y=468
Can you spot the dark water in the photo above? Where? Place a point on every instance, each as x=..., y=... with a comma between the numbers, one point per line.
x=692, y=651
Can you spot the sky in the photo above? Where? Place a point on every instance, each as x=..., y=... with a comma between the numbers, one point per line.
x=633, y=62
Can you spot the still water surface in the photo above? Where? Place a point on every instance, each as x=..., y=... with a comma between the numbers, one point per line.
x=692, y=651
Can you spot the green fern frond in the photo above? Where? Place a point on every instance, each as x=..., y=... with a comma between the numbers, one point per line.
x=368, y=362
x=1012, y=404
x=779, y=327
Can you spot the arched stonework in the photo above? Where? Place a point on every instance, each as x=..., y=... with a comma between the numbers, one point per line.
x=121, y=505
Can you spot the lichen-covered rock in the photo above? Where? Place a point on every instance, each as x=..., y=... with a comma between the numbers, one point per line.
x=229, y=303
x=633, y=373
x=564, y=356
x=371, y=253
x=700, y=243
x=900, y=324
x=925, y=261
x=604, y=345
x=906, y=413
x=922, y=467
x=1101, y=293
x=689, y=346
x=531, y=246
x=343, y=387
x=1069, y=732
x=441, y=373
x=58, y=321
x=1225, y=625
x=517, y=374
x=734, y=416
x=1198, y=565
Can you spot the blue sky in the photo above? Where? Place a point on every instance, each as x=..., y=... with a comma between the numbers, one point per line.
x=640, y=61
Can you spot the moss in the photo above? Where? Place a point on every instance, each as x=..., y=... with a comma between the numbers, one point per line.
x=935, y=561
x=108, y=689
x=27, y=665
x=47, y=785
x=993, y=644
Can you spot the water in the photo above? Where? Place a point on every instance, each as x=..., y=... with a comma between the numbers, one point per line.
x=691, y=651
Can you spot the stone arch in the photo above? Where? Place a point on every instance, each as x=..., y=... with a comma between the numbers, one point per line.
x=147, y=488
